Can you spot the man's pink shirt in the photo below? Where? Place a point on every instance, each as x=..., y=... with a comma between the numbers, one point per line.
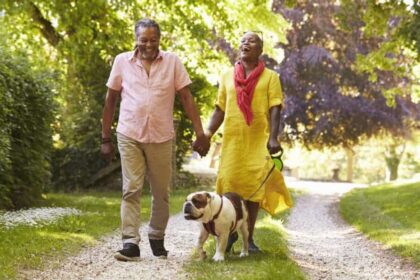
x=147, y=102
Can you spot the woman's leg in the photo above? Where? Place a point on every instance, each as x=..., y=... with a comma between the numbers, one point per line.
x=253, y=208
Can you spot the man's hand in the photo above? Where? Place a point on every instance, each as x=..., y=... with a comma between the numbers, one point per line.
x=273, y=146
x=201, y=144
x=107, y=151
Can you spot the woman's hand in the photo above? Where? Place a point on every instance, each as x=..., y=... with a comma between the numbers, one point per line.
x=273, y=146
x=202, y=144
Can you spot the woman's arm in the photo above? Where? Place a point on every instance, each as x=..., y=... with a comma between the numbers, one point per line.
x=273, y=145
x=216, y=121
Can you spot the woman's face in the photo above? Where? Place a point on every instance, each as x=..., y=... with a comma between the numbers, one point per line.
x=148, y=42
x=251, y=46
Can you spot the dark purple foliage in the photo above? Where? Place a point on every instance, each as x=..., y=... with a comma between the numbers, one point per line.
x=327, y=103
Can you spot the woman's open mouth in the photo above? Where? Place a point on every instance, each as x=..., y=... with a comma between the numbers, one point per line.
x=245, y=49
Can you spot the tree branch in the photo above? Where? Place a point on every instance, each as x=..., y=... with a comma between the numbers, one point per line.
x=46, y=27
x=221, y=44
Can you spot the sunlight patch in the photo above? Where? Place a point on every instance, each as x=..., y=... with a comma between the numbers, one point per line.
x=68, y=236
x=35, y=216
x=414, y=236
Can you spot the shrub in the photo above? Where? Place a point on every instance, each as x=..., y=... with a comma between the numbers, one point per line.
x=26, y=114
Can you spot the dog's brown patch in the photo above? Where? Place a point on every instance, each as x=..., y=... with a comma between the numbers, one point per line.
x=200, y=200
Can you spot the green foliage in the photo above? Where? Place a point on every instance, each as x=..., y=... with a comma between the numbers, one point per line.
x=411, y=29
x=387, y=213
x=385, y=28
x=26, y=114
x=80, y=39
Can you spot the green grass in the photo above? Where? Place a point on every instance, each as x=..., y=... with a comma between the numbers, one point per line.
x=389, y=214
x=273, y=263
x=26, y=247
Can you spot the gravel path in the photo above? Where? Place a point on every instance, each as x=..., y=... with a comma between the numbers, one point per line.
x=320, y=242
x=98, y=262
x=327, y=248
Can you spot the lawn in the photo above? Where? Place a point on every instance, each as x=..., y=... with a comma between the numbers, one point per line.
x=388, y=213
x=27, y=247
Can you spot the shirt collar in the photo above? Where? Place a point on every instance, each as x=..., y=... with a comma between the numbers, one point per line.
x=133, y=57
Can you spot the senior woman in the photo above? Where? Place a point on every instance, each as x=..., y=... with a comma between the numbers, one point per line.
x=249, y=102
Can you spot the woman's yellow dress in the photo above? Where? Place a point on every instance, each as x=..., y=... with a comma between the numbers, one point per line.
x=245, y=160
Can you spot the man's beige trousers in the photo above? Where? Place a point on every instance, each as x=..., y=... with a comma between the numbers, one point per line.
x=136, y=159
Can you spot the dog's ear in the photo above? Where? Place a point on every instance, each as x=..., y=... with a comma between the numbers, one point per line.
x=208, y=195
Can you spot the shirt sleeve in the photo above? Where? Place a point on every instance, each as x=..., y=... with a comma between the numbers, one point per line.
x=182, y=79
x=275, y=94
x=221, y=94
x=115, y=77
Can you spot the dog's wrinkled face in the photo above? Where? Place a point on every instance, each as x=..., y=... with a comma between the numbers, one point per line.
x=195, y=205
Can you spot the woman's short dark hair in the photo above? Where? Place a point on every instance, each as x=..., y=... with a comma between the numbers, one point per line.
x=145, y=23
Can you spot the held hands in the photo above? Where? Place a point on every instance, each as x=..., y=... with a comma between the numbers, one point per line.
x=202, y=144
x=273, y=146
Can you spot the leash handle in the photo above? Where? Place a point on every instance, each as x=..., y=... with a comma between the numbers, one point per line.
x=278, y=162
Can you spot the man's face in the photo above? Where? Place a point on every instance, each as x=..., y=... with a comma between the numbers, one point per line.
x=148, y=42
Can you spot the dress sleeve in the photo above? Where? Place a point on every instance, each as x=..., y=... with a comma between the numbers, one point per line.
x=115, y=77
x=275, y=94
x=221, y=94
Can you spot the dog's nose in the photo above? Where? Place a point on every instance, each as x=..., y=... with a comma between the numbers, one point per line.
x=187, y=207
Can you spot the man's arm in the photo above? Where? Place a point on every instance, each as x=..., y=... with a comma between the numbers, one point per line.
x=201, y=144
x=107, y=149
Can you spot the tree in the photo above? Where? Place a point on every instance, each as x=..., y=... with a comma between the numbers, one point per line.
x=411, y=29
x=393, y=154
x=79, y=39
x=331, y=99
x=26, y=112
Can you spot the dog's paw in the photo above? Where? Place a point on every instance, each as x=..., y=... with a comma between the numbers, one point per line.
x=218, y=258
x=203, y=255
x=243, y=254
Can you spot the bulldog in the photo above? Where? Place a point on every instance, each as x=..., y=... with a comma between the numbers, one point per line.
x=220, y=216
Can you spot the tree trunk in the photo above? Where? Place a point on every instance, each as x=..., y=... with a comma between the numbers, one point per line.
x=393, y=168
x=393, y=159
x=350, y=160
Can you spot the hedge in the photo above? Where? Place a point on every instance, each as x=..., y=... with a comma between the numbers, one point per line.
x=26, y=115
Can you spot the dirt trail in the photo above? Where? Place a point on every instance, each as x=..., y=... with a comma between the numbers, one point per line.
x=98, y=263
x=327, y=248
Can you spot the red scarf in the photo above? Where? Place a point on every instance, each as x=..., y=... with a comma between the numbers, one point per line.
x=245, y=88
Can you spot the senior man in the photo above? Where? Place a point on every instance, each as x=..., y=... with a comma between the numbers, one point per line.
x=147, y=80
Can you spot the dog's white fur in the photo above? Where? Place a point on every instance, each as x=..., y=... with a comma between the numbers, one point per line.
x=204, y=206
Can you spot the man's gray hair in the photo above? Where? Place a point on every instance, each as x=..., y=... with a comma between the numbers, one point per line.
x=145, y=23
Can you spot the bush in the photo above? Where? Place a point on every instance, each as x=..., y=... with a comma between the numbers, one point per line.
x=26, y=114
